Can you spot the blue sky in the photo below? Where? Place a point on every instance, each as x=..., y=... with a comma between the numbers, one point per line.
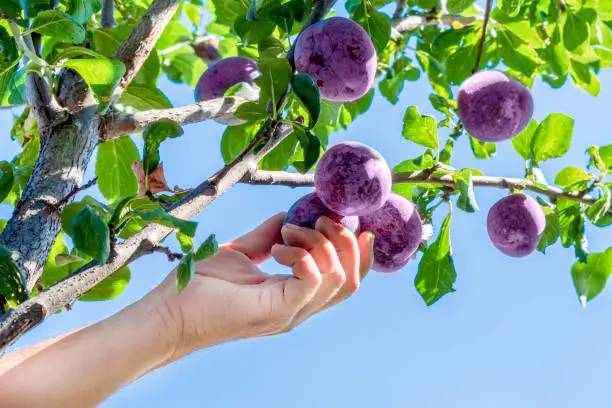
x=513, y=334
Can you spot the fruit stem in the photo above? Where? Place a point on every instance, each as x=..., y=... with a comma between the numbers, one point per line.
x=483, y=36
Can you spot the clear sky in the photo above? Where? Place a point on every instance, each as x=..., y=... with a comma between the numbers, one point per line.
x=512, y=335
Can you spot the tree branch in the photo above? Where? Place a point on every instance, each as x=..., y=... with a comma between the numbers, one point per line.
x=282, y=178
x=138, y=45
x=19, y=320
x=115, y=124
x=413, y=22
x=32, y=312
x=107, y=19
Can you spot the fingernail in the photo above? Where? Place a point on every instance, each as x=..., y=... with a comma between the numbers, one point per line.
x=371, y=241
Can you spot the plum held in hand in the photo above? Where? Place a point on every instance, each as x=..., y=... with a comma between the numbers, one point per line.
x=306, y=211
x=398, y=232
x=223, y=75
x=494, y=107
x=353, y=179
x=515, y=224
x=339, y=56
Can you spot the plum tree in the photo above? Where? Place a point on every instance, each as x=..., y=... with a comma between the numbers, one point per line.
x=308, y=209
x=83, y=81
x=223, y=75
x=516, y=224
x=340, y=56
x=398, y=230
x=494, y=107
x=353, y=179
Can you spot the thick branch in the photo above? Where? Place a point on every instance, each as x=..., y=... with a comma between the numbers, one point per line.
x=115, y=124
x=413, y=22
x=136, y=48
x=32, y=312
x=283, y=178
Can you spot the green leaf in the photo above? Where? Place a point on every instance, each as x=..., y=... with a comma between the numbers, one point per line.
x=6, y=179
x=437, y=273
x=467, y=199
x=482, y=150
x=90, y=235
x=153, y=135
x=584, y=77
x=185, y=272
x=571, y=222
x=523, y=141
x=161, y=217
x=575, y=33
x=59, y=25
x=270, y=47
x=308, y=92
x=143, y=98
x=425, y=161
x=275, y=77
x=71, y=210
x=183, y=66
x=207, y=249
x=605, y=153
x=82, y=10
x=510, y=7
x=278, y=158
x=65, y=259
x=459, y=64
x=600, y=208
x=553, y=137
x=235, y=139
x=590, y=277
x=116, y=178
x=75, y=51
x=110, y=287
x=458, y=6
x=551, y=230
x=572, y=175
x=378, y=27
x=100, y=74
x=251, y=111
x=311, y=145
x=252, y=32
x=10, y=279
x=421, y=129
x=185, y=241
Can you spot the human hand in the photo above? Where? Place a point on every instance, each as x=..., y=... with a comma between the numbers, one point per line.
x=230, y=298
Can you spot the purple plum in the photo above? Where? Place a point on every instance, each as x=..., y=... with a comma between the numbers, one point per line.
x=494, y=107
x=223, y=75
x=515, y=224
x=398, y=232
x=353, y=179
x=306, y=211
x=339, y=56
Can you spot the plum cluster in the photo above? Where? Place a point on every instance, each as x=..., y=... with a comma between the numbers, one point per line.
x=353, y=188
x=353, y=181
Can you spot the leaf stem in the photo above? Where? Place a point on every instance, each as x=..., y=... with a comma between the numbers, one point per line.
x=483, y=36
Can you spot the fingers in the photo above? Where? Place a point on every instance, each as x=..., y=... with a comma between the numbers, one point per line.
x=306, y=280
x=366, y=253
x=256, y=244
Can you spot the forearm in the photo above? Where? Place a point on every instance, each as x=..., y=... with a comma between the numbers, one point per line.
x=85, y=367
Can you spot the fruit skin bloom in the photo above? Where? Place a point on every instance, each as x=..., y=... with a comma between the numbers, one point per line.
x=308, y=209
x=339, y=56
x=223, y=75
x=398, y=232
x=516, y=224
x=494, y=107
x=353, y=179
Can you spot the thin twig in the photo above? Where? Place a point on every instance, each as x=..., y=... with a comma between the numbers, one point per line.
x=283, y=178
x=77, y=190
x=483, y=36
x=399, y=10
x=172, y=256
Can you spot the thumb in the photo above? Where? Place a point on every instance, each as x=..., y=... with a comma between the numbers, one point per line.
x=256, y=244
